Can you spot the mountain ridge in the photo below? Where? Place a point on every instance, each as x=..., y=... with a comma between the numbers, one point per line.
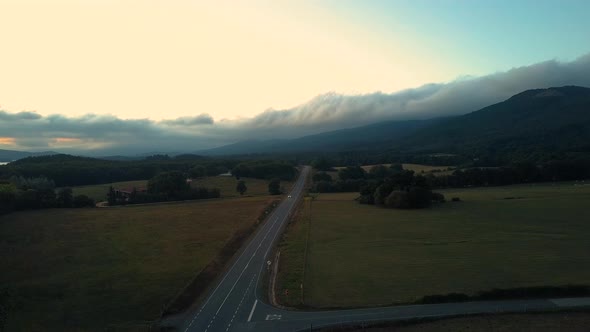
x=555, y=118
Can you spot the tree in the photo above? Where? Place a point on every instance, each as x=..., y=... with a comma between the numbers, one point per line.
x=197, y=172
x=352, y=173
x=241, y=187
x=82, y=201
x=321, y=164
x=274, y=187
x=112, y=196
x=379, y=172
x=322, y=176
x=65, y=197
x=168, y=183
x=414, y=198
x=396, y=168
x=7, y=197
x=241, y=170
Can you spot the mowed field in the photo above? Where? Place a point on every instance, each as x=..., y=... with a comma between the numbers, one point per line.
x=534, y=322
x=110, y=268
x=226, y=184
x=502, y=237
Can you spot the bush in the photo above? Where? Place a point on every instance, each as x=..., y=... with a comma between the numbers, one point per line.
x=398, y=200
x=456, y=199
x=415, y=198
x=322, y=176
x=274, y=187
x=81, y=201
x=437, y=197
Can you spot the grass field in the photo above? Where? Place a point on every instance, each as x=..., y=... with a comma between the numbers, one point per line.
x=534, y=322
x=227, y=185
x=503, y=237
x=93, y=269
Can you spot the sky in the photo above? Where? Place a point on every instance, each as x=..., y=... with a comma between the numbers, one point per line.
x=126, y=76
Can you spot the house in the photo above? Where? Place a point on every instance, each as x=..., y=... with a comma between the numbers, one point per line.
x=126, y=193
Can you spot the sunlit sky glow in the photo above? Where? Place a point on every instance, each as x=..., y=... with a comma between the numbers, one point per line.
x=136, y=76
x=232, y=59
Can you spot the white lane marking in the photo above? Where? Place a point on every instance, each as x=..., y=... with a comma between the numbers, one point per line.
x=241, y=301
x=273, y=317
x=243, y=270
x=252, y=311
x=232, y=267
x=298, y=187
x=292, y=204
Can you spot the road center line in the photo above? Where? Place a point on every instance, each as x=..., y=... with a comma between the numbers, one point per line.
x=244, y=269
x=252, y=311
x=296, y=189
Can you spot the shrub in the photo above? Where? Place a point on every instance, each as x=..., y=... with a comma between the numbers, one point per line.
x=437, y=197
x=80, y=201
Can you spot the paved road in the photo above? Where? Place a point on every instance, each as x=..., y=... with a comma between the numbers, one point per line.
x=235, y=303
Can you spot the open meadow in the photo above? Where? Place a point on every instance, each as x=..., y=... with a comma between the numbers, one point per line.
x=497, y=237
x=530, y=322
x=110, y=268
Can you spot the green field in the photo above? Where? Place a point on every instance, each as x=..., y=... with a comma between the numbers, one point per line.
x=227, y=185
x=93, y=269
x=534, y=322
x=502, y=237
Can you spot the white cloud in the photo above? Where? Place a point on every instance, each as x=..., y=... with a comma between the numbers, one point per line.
x=106, y=134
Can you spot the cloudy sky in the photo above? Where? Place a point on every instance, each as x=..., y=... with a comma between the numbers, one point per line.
x=134, y=76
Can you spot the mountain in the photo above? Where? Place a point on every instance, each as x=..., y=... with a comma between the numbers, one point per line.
x=359, y=138
x=534, y=121
x=553, y=119
x=11, y=155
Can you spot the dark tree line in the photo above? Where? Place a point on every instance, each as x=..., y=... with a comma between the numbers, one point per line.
x=265, y=169
x=559, y=170
x=66, y=170
x=395, y=187
x=352, y=178
x=391, y=186
x=164, y=187
x=400, y=189
x=19, y=193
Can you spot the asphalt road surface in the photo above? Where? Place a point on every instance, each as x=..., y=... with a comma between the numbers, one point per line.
x=236, y=304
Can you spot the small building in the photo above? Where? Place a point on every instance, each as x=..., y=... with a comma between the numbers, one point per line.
x=125, y=193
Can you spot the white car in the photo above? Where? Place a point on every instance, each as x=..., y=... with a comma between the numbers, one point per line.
x=289, y=196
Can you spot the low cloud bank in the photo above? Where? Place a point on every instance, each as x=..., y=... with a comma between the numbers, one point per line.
x=106, y=134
